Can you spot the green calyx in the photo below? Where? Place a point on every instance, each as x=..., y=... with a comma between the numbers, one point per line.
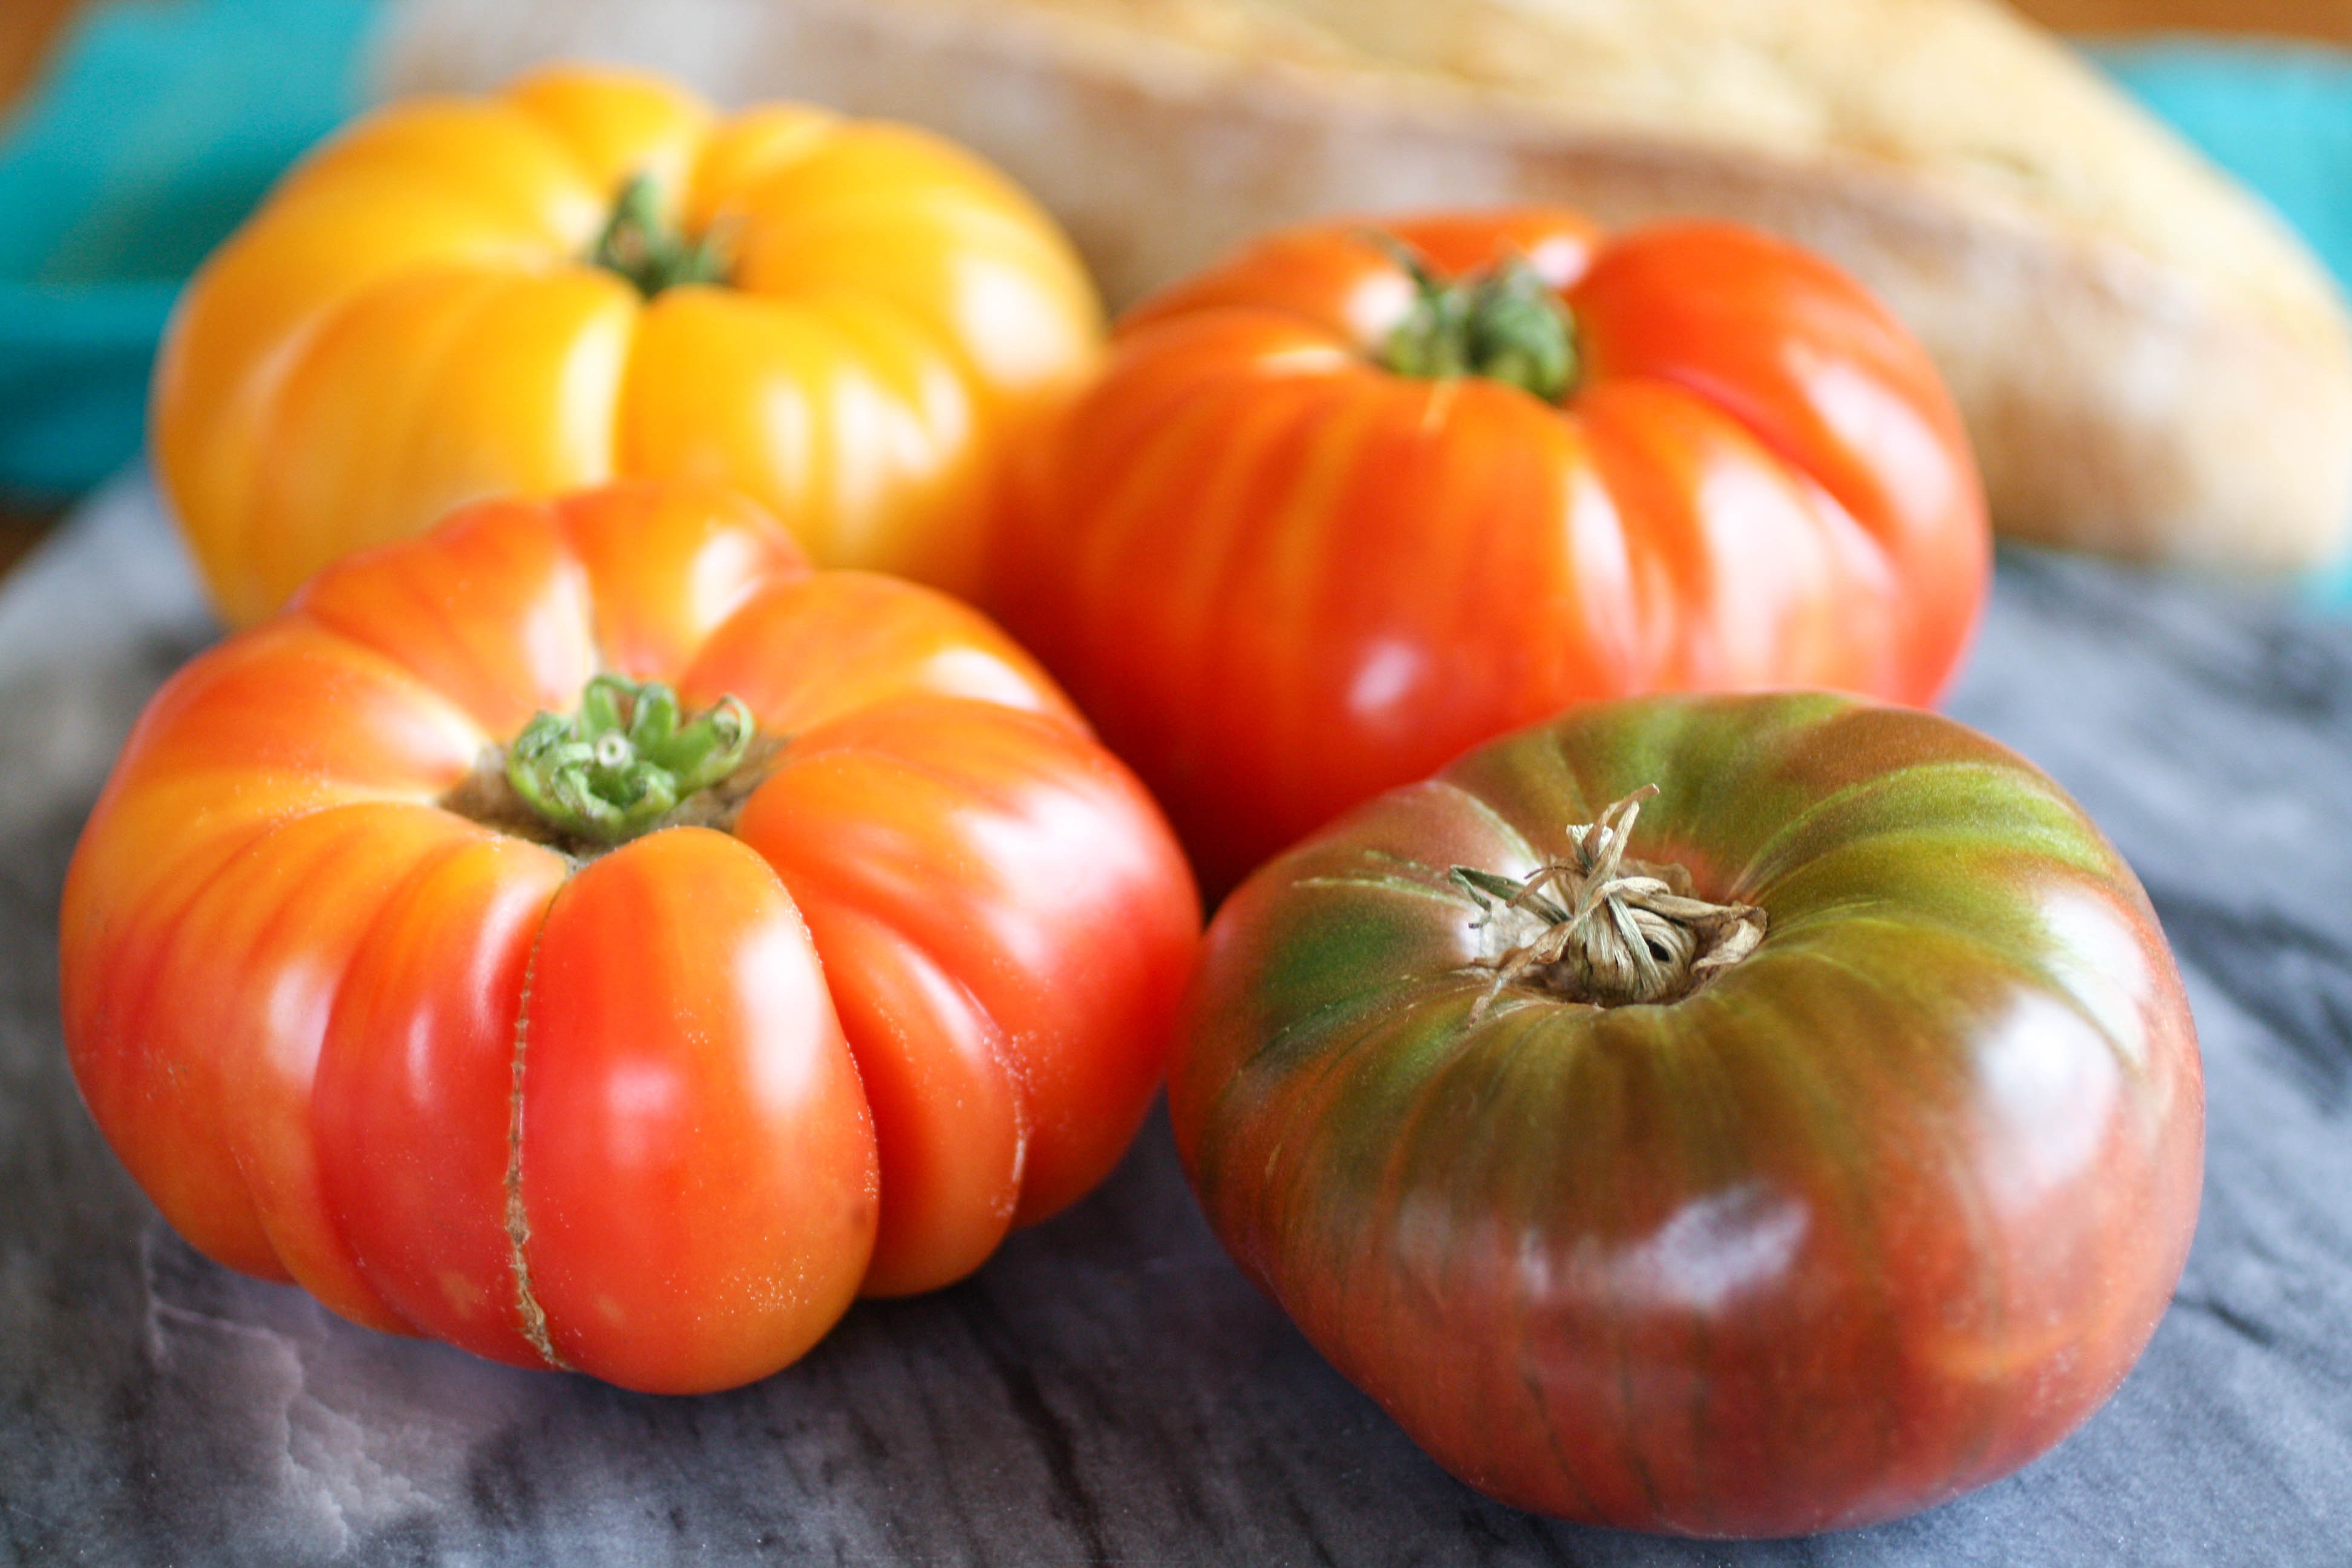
x=625, y=759
x=641, y=248
x=1504, y=324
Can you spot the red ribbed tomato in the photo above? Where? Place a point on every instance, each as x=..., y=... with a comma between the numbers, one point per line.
x=621, y=1040
x=1354, y=501
x=1823, y=1147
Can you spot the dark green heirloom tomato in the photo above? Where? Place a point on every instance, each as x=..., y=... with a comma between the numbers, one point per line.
x=1845, y=1221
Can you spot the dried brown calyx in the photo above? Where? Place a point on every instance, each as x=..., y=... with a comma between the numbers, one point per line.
x=1597, y=927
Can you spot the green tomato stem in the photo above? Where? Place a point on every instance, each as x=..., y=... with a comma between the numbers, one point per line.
x=625, y=761
x=1504, y=324
x=641, y=247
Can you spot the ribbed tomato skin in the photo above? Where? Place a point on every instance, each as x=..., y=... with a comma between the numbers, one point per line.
x=414, y=319
x=1875, y=1217
x=658, y=1114
x=1282, y=578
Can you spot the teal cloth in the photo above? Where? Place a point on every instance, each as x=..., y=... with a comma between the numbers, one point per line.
x=157, y=128
x=163, y=122
x=2278, y=116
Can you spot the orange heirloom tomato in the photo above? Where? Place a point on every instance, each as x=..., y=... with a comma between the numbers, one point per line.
x=624, y=1040
x=590, y=276
x=1355, y=501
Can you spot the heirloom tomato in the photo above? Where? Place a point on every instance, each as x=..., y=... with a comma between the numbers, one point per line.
x=1367, y=495
x=1805, y=1146
x=624, y=1040
x=591, y=276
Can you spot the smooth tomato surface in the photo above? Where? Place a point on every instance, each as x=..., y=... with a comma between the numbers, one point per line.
x=1876, y=1216
x=1281, y=577
x=657, y=1114
x=414, y=319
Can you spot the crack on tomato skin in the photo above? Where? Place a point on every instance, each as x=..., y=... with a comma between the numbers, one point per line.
x=1538, y=1398
x=1378, y=882
x=533, y=1317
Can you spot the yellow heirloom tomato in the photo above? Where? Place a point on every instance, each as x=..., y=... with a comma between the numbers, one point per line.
x=591, y=276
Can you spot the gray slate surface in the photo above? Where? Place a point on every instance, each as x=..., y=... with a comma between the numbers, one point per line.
x=1110, y=1390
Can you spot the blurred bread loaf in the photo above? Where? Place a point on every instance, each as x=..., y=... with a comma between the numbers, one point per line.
x=2150, y=363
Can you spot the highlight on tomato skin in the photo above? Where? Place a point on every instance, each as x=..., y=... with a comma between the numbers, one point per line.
x=1859, y=1181
x=586, y=934
x=592, y=274
x=1373, y=490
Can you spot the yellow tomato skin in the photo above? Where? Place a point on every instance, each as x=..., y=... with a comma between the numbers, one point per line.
x=414, y=319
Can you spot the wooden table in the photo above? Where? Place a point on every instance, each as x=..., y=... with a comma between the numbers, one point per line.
x=2328, y=19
